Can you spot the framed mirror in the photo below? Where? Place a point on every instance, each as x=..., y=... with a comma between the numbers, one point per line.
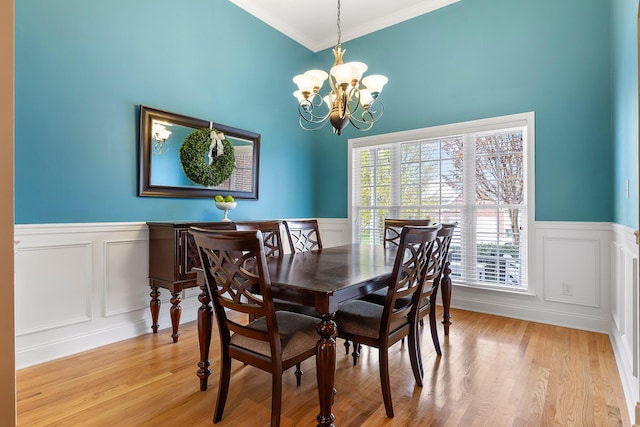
x=160, y=170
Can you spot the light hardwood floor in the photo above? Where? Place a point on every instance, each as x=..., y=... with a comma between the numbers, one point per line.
x=494, y=371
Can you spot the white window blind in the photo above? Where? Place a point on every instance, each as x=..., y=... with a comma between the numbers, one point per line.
x=473, y=173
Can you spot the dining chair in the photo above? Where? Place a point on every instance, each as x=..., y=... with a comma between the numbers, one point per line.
x=304, y=235
x=381, y=326
x=391, y=235
x=393, y=228
x=274, y=342
x=271, y=235
x=433, y=276
x=274, y=248
x=439, y=261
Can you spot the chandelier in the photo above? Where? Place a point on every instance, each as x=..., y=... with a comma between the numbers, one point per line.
x=352, y=99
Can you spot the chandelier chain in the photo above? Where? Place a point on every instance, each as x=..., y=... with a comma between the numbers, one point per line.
x=338, y=23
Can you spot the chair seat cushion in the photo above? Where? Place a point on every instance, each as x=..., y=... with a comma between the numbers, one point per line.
x=363, y=318
x=376, y=297
x=281, y=305
x=379, y=296
x=297, y=335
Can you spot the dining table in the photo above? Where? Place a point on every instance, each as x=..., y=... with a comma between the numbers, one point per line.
x=322, y=279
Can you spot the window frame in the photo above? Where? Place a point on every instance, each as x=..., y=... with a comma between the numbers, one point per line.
x=526, y=120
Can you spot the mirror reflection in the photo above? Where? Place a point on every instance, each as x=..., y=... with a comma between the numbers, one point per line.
x=161, y=172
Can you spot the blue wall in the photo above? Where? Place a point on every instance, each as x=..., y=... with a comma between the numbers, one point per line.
x=484, y=58
x=625, y=110
x=82, y=68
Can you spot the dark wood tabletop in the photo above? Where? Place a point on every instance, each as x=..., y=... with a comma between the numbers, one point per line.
x=326, y=278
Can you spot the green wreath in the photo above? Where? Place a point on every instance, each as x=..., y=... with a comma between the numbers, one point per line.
x=195, y=163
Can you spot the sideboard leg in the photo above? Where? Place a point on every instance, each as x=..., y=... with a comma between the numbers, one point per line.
x=205, y=318
x=154, y=305
x=175, y=313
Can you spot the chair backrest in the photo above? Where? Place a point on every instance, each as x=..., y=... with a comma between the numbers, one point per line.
x=304, y=235
x=411, y=264
x=393, y=228
x=233, y=287
x=271, y=235
x=440, y=252
x=436, y=265
x=443, y=243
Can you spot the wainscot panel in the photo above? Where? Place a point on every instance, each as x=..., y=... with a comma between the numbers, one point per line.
x=81, y=286
x=561, y=253
x=624, y=311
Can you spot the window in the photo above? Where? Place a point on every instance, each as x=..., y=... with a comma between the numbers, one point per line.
x=473, y=173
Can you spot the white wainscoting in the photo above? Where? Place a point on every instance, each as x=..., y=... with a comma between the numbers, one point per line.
x=624, y=311
x=80, y=286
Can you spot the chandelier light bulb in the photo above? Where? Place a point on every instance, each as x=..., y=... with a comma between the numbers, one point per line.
x=327, y=100
x=305, y=84
x=375, y=83
x=317, y=77
x=365, y=97
x=357, y=70
x=299, y=96
x=343, y=74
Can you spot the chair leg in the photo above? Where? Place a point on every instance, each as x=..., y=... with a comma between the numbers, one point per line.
x=223, y=385
x=298, y=375
x=421, y=325
x=434, y=331
x=346, y=346
x=356, y=352
x=415, y=356
x=384, y=381
x=276, y=398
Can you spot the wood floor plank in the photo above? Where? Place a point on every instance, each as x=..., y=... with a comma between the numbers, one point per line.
x=493, y=371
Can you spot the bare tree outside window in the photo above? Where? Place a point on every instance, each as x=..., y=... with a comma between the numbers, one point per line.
x=499, y=172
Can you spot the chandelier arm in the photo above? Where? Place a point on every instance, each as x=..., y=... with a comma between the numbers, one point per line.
x=316, y=125
x=361, y=125
x=354, y=97
x=306, y=109
x=310, y=118
x=368, y=117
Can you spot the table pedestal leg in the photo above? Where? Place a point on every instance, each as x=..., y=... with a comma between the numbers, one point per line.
x=154, y=305
x=205, y=317
x=326, y=368
x=446, y=298
x=175, y=312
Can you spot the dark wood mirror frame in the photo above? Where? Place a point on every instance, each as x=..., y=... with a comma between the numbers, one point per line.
x=147, y=188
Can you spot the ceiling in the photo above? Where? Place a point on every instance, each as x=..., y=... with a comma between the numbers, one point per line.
x=312, y=23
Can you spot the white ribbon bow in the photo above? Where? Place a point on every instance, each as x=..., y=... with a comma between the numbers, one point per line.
x=216, y=142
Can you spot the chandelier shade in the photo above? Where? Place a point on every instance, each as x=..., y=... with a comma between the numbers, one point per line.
x=351, y=98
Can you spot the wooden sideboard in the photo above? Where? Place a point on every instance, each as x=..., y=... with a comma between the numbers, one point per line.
x=172, y=256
